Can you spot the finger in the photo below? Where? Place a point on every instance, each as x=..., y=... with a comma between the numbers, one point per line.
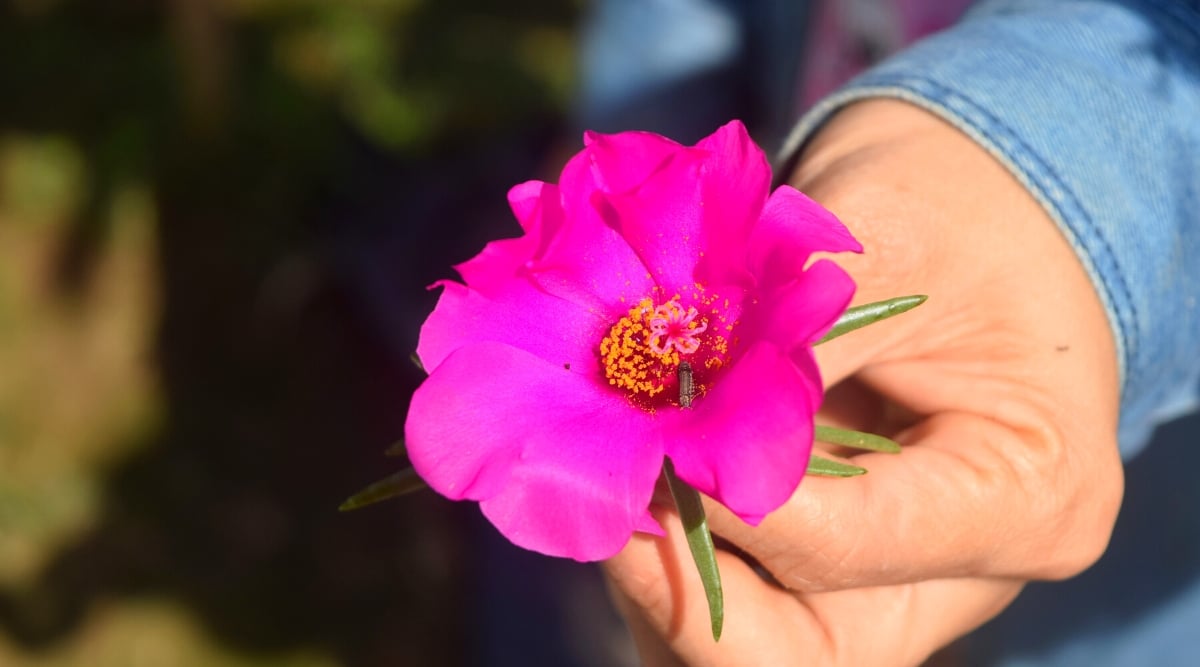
x=656, y=589
x=966, y=497
x=905, y=624
x=652, y=648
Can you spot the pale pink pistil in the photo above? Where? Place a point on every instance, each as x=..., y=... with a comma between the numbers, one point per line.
x=671, y=326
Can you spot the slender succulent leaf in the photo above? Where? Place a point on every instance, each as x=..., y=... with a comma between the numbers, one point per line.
x=856, y=439
x=818, y=465
x=398, y=484
x=860, y=316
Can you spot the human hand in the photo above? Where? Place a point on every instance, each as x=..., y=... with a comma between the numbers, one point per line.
x=1003, y=389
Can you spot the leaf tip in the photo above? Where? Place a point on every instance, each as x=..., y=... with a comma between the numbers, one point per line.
x=398, y=484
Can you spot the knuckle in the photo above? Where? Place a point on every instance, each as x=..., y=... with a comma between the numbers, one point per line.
x=1075, y=518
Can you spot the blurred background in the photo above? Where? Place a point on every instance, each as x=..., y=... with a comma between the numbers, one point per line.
x=217, y=222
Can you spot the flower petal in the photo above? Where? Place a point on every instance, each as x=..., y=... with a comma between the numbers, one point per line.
x=620, y=162
x=791, y=229
x=560, y=464
x=799, y=311
x=663, y=220
x=586, y=261
x=648, y=524
x=525, y=200
x=691, y=218
x=515, y=312
x=747, y=441
x=537, y=208
x=734, y=182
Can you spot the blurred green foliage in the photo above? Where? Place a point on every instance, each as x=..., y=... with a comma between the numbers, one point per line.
x=185, y=391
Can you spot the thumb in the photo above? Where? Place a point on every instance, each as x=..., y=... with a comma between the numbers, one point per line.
x=656, y=588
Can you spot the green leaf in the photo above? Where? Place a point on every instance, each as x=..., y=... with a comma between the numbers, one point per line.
x=818, y=465
x=416, y=361
x=856, y=439
x=398, y=484
x=699, y=539
x=397, y=449
x=860, y=316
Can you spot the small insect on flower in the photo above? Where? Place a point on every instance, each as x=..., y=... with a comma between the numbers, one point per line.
x=687, y=387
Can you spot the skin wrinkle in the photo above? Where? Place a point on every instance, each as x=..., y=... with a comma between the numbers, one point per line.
x=992, y=436
x=832, y=639
x=821, y=566
x=1078, y=542
x=812, y=575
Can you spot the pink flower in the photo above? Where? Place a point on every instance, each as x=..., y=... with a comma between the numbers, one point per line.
x=553, y=392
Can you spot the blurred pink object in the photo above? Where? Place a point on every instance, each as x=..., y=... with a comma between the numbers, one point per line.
x=847, y=36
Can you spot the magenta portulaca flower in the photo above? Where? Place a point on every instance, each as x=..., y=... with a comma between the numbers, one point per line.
x=553, y=392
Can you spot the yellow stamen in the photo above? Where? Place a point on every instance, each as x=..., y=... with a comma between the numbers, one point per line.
x=628, y=361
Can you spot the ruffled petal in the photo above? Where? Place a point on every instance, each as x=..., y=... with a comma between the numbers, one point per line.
x=806, y=364
x=527, y=200
x=515, y=312
x=586, y=261
x=747, y=441
x=618, y=163
x=791, y=229
x=536, y=207
x=800, y=310
x=560, y=464
x=663, y=220
x=690, y=220
x=552, y=292
x=734, y=182
x=648, y=524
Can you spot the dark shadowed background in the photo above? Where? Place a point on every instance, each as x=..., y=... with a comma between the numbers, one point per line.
x=217, y=219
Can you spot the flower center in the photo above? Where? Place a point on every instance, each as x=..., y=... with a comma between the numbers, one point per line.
x=673, y=327
x=642, y=351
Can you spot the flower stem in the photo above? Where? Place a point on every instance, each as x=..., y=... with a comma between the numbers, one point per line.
x=699, y=539
x=860, y=316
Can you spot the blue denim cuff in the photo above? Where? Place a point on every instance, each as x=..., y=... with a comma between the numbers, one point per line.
x=1095, y=108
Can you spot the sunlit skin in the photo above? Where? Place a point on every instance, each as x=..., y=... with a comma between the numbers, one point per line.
x=1003, y=389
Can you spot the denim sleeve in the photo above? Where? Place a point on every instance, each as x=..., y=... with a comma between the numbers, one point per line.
x=1094, y=107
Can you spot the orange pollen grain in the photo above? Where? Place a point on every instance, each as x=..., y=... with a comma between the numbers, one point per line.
x=628, y=360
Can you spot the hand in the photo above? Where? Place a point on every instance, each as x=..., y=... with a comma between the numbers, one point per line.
x=1003, y=389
